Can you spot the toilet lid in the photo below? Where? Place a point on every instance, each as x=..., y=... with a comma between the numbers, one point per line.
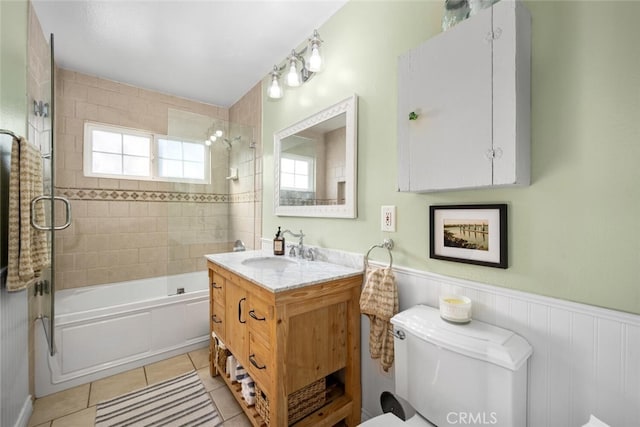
x=390, y=420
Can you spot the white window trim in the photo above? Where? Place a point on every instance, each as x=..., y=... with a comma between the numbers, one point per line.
x=153, y=156
x=312, y=164
x=155, y=164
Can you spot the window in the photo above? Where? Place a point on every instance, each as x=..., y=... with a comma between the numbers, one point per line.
x=296, y=173
x=116, y=152
x=181, y=159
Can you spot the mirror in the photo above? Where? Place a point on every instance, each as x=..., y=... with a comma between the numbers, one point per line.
x=315, y=164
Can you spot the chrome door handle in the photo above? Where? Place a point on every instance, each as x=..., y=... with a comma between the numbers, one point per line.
x=53, y=227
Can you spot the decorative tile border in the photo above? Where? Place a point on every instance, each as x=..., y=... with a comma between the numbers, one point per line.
x=152, y=196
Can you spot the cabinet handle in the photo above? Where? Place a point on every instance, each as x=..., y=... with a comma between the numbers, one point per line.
x=240, y=310
x=215, y=286
x=252, y=313
x=254, y=363
x=214, y=319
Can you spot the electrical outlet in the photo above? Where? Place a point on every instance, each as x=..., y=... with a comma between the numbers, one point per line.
x=388, y=218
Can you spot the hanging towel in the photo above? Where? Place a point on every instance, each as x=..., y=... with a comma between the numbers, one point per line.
x=28, y=251
x=379, y=301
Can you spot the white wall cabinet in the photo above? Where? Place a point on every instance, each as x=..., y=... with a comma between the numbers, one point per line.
x=470, y=87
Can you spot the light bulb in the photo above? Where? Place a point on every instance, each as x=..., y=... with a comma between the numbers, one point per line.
x=213, y=138
x=275, y=90
x=293, y=79
x=315, y=60
x=207, y=143
x=218, y=133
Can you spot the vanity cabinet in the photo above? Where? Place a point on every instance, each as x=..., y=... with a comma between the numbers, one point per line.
x=289, y=339
x=217, y=321
x=469, y=87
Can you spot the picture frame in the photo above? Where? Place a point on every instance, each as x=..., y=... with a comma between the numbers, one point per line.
x=471, y=234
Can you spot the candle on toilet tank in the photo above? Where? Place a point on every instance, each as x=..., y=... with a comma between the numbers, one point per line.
x=455, y=308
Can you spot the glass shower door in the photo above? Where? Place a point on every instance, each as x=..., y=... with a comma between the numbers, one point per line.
x=43, y=110
x=45, y=289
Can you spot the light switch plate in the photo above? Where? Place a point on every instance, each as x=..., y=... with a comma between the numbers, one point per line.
x=388, y=218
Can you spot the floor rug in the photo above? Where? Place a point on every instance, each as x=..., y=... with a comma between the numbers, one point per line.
x=179, y=401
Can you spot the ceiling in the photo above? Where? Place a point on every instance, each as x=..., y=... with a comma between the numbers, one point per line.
x=212, y=51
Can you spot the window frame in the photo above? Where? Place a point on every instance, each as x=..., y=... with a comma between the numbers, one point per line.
x=87, y=167
x=311, y=163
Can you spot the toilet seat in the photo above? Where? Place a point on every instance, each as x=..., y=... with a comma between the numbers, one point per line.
x=390, y=420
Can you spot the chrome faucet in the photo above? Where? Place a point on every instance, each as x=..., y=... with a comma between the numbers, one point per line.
x=300, y=251
x=300, y=247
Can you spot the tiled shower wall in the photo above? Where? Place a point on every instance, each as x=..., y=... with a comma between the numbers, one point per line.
x=128, y=229
x=246, y=207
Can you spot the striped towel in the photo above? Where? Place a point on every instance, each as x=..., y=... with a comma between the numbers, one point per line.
x=248, y=390
x=239, y=373
x=379, y=301
x=28, y=251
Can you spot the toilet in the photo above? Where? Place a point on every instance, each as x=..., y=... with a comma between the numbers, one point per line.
x=456, y=374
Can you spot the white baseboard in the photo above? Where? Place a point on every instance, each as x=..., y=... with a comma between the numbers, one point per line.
x=25, y=413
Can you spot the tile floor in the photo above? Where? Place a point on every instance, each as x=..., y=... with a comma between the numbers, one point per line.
x=76, y=407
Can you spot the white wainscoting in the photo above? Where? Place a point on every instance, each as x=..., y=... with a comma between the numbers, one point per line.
x=15, y=401
x=586, y=359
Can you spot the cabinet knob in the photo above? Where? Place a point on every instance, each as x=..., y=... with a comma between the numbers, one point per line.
x=493, y=153
x=215, y=319
x=493, y=35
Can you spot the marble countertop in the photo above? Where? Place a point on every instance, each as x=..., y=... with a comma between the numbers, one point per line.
x=290, y=276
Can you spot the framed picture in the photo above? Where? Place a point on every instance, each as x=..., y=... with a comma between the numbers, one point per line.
x=473, y=234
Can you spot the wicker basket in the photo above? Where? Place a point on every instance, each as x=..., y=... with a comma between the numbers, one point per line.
x=221, y=355
x=301, y=403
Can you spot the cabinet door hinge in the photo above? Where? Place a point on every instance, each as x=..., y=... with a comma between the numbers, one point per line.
x=493, y=35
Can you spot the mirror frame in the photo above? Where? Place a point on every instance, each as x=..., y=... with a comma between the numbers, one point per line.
x=349, y=106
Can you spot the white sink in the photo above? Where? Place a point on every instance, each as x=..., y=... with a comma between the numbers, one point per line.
x=269, y=262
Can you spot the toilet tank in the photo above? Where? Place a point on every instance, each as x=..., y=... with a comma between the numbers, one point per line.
x=460, y=374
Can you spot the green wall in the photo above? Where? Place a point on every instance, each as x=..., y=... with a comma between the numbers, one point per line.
x=13, y=66
x=15, y=404
x=573, y=233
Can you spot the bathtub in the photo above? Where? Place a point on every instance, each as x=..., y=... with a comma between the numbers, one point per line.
x=107, y=329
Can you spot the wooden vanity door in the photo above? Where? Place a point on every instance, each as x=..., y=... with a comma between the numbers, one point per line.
x=237, y=316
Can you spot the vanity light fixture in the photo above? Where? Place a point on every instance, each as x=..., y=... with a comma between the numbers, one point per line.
x=315, y=59
x=275, y=90
x=214, y=136
x=293, y=78
x=299, y=70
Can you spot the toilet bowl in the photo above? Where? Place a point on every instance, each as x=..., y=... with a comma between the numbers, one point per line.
x=390, y=420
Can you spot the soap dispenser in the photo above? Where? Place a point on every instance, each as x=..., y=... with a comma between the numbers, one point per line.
x=278, y=243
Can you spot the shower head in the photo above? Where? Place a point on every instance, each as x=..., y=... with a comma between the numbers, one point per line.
x=228, y=141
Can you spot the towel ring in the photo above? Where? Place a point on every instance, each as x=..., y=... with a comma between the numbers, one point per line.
x=386, y=244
